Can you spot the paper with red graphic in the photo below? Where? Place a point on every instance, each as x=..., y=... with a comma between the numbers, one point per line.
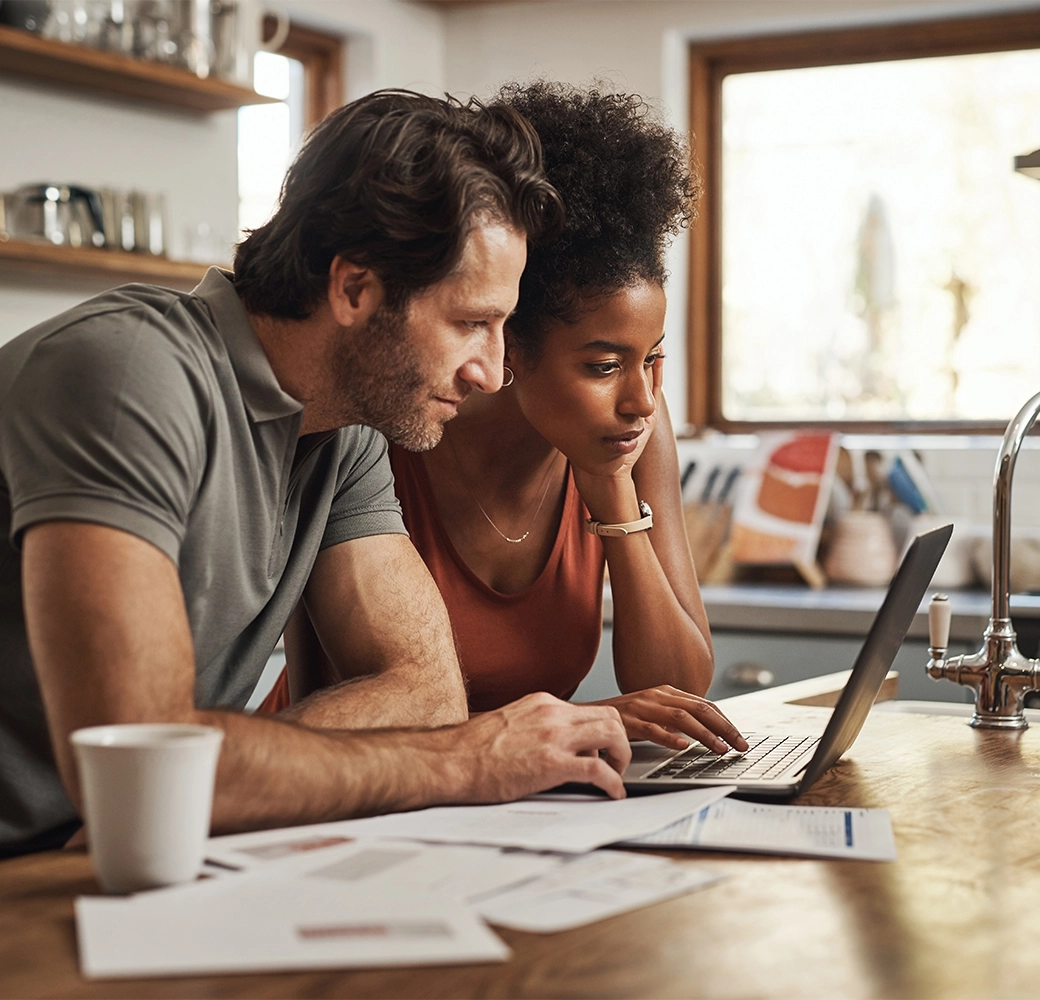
x=780, y=510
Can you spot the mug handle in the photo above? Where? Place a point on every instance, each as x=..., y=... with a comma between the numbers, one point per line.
x=281, y=30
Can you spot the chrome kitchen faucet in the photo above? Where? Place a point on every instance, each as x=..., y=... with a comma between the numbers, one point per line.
x=998, y=673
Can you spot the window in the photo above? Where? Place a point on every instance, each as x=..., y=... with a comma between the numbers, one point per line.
x=866, y=254
x=305, y=74
x=268, y=136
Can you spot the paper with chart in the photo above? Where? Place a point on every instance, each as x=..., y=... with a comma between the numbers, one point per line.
x=570, y=824
x=812, y=831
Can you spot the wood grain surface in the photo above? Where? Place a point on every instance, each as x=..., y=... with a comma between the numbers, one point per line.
x=954, y=916
x=114, y=266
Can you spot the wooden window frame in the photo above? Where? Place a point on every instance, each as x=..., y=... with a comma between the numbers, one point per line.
x=322, y=58
x=710, y=63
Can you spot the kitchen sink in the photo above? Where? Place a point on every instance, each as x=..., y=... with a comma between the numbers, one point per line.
x=963, y=710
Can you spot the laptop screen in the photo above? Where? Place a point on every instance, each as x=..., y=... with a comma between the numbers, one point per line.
x=886, y=635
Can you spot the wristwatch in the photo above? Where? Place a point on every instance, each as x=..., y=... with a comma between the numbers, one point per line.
x=645, y=523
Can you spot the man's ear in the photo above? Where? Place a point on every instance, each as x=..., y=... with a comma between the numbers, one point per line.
x=355, y=292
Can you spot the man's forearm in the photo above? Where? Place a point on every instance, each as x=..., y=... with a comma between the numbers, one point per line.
x=273, y=772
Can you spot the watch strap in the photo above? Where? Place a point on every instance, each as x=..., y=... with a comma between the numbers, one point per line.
x=645, y=523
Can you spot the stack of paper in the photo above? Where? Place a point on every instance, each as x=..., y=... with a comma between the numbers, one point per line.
x=416, y=888
x=342, y=895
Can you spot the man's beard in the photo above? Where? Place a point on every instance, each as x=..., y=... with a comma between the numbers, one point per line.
x=384, y=379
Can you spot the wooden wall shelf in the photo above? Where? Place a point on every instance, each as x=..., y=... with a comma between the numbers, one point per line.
x=25, y=54
x=26, y=257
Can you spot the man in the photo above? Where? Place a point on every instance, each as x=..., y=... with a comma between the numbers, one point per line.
x=179, y=472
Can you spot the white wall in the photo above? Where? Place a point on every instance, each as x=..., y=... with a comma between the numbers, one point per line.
x=58, y=134
x=390, y=43
x=640, y=45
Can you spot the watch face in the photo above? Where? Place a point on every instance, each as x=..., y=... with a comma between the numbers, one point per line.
x=644, y=509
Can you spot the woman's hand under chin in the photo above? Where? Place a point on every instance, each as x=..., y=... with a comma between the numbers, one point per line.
x=671, y=717
x=604, y=483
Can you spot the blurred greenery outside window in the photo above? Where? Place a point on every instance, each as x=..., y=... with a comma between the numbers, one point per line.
x=878, y=257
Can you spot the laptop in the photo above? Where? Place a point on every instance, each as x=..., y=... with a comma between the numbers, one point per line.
x=781, y=767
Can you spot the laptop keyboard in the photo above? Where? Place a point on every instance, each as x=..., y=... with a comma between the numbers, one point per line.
x=766, y=757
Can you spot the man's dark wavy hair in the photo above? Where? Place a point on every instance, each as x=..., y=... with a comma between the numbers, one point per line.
x=394, y=181
x=627, y=185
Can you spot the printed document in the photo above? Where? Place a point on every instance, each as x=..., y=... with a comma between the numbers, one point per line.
x=365, y=903
x=590, y=887
x=812, y=831
x=261, y=922
x=461, y=872
x=569, y=824
x=260, y=848
x=513, y=888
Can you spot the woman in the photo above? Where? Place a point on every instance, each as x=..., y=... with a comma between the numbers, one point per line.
x=578, y=438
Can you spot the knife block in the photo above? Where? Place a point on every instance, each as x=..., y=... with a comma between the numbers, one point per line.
x=707, y=528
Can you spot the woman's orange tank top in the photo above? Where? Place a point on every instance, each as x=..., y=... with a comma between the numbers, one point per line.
x=544, y=638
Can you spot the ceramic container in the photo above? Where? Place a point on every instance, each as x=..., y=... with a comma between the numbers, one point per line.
x=862, y=550
x=147, y=796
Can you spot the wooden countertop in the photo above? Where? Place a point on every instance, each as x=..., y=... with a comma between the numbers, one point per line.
x=954, y=916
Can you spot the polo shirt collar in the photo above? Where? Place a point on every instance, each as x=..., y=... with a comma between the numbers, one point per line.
x=263, y=396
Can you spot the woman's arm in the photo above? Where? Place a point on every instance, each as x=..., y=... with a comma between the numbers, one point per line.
x=662, y=647
x=661, y=633
x=660, y=627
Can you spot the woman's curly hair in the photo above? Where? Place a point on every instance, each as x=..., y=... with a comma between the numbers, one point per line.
x=627, y=186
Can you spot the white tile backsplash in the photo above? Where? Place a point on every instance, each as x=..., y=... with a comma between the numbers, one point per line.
x=955, y=496
x=981, y=509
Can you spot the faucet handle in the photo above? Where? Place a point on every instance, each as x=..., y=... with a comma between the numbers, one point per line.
x=939, y=621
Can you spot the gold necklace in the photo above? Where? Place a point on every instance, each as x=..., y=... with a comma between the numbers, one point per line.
x=469, y=489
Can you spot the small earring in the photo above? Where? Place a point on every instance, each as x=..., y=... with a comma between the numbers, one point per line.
x=511, y=376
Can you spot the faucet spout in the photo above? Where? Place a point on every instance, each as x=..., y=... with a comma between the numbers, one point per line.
x=1002, y=477
x=998, y=673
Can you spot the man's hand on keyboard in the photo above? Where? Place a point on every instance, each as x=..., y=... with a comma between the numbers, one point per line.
x=671, y=717
x=535, y=744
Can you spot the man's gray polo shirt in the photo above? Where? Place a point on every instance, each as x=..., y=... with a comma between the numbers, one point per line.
x=156, y=412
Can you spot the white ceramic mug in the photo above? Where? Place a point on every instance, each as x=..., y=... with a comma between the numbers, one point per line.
x=147, y=793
